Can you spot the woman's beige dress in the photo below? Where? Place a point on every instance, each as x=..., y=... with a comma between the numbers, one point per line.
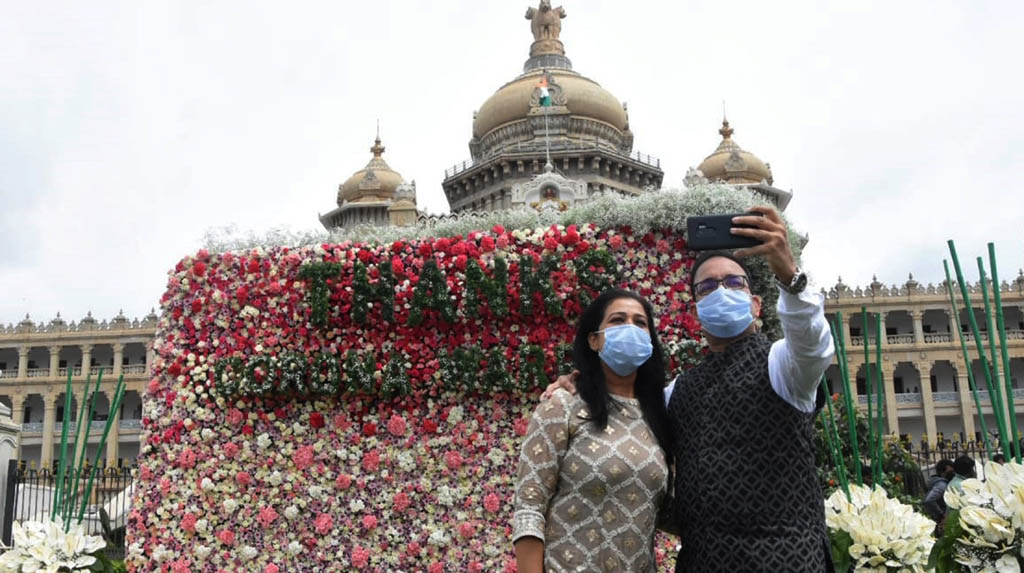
x=591, y=496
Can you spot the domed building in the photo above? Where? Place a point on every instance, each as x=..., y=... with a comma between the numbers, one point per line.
x=375, y=195
x=730, y=164
x=548, y=114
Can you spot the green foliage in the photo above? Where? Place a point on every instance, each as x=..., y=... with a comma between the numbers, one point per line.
x=364, y=294
x=431, y=293
x=840, y=542
x=357, y=374
x=537, y=280
x=597, y=271
x=480, y=287
x=319, y=295
x=901, y=476
x=396, y=380
x=532, y=367
x=941, y=558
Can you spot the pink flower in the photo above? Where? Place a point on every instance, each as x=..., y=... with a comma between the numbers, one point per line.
x=243, y=478
x=271, y=569
x=466, y=529
x=401, y=502
x=343, y=481
x=230, y=449
x=492, y=503
x=503, y=242
x=188, y=522
x=360, y=557
x=187, y=458
x=615, y=242
x=396, y=425
x=453, y=459
x=520, y=426
x=303, y=457
x=235, y=416
x=323, y=523
x=369, y=522
x=179, y=566
x=476, y=567
x=267, y=516
x=371, y=461
x=226, y=536
x=663, y=246
x=435, y=567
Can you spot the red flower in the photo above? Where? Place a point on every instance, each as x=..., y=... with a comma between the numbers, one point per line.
x=371, y=460
x=243, y=479
x=460, y=262
x=487, y=244
x=235, y=416
x=425, y=249
x=498, y=230
x=520, y=426
x=199, y=269
x=316, y=419
x=615, y=242
x=369, y=429
x=550, y=244
x=230, y=449
x=459, y=249
x=466, y=530
x=429, y=426
x=364, y=255
x=360, y=557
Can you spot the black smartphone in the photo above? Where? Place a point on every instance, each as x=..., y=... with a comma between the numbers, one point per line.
x=711, y=233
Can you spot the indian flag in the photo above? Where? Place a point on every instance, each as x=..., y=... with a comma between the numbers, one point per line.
x=545, y=95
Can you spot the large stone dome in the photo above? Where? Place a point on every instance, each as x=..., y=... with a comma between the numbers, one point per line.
x=375, y=182
x=731, y=164
x=584, y=98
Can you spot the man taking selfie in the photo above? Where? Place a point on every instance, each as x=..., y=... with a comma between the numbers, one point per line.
x=746, y=491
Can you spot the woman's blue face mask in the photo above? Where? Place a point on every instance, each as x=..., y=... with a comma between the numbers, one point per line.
x=626, y=348
x=725, y=313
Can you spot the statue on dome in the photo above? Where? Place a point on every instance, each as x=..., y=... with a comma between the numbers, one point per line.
x=546, y=22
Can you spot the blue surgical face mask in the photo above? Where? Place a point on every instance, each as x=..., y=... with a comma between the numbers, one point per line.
x=725, y=313
x=626, y=348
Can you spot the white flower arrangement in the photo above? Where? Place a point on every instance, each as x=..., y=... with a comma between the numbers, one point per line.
x=46, y=547
x=985, y=527
x=874, y=532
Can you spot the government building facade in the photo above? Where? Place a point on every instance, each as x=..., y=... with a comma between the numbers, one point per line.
x=549, y=138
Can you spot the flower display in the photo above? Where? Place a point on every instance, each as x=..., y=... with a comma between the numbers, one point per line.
x=45, y=546
x=871, y=531
x=360, y=405
x=985, y=526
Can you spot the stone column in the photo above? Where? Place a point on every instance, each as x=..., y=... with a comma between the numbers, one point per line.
x=885, y=337
x=930, y=427
x=113, y=436
x=118, y=359
x=17, y=418
x=918, y=318
x=150, y=356
x=49, y=418
x=967, y=406
x=23, y=362
x=888, y=373
x=54, y=361
x=86, y=360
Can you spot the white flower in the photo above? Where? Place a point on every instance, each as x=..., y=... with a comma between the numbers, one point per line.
x=294, y=548
x=203, y=551
x=275, y=478
x=229, y=506
x=884, y=531
x=356, y=505
x=207, y=434
x=291, y=512
x=202, y=525
x=437, y=537
x=264, y=441
x=207, y=484
x=249, y=552
x=455, y=415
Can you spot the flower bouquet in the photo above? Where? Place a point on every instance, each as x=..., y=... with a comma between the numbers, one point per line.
x=870, y=531
x=48, y=548
x=985, y=525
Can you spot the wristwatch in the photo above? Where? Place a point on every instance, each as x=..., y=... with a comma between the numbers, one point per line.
x=796, y=285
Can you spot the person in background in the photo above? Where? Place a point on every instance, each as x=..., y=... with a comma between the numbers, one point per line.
x=934, y=503
x=963, y=467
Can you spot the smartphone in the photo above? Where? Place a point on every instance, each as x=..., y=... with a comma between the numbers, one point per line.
x=711, y=233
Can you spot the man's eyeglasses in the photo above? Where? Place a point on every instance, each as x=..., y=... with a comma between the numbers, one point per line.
x=708, y=286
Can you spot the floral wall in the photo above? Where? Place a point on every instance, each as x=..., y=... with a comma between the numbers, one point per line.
x=359, y=406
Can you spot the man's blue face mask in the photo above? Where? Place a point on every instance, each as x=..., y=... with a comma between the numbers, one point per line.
x=626, y=348
x=725, y=313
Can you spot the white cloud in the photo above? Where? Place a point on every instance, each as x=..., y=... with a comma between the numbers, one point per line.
x=128, y=129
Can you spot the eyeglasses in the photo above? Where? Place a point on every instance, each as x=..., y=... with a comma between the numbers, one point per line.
x=731, y=282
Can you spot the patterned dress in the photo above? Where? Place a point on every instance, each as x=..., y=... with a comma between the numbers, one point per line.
x=591, y=496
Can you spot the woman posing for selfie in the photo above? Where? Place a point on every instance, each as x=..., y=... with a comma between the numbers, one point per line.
x=594, y=467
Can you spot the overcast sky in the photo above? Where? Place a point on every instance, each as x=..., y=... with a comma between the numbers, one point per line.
x=127, y=129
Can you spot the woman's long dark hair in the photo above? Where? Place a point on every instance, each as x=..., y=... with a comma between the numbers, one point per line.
x=649, y=387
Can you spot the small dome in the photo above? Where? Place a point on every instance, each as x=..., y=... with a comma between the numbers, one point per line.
x=731, y=164
x=584, y=98
x=375, y=182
